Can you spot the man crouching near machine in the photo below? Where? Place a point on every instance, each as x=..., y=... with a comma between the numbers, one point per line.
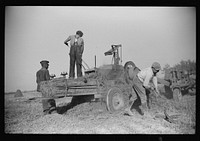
x=140, y=83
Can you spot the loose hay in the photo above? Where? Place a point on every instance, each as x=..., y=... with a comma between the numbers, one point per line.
x=18, y=93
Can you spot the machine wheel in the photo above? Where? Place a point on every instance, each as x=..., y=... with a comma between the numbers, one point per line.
x=115, y=100
x=177, y=94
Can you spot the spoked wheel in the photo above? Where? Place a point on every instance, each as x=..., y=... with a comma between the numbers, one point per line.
x=115, y=100
x=177, y=94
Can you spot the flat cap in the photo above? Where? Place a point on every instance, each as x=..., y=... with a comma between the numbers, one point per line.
x=44, y=61
x=156, y=66
x=80, y=33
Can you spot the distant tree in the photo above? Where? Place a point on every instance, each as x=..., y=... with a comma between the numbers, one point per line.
x=186, y=66
x=166, y=67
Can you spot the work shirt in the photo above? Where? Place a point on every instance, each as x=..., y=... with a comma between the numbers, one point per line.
x=74, y=41
x=145, y=76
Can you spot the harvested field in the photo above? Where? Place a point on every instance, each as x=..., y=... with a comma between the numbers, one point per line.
x=24, y=115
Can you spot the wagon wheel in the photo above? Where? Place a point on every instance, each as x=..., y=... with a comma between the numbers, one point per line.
x=115, y=100
x=177, y=94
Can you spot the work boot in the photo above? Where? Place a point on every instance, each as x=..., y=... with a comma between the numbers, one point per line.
x=142, y=108
x=139, y=110
x=128, y=111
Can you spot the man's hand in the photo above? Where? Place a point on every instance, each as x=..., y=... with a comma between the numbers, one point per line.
x=66, y=43
x=155, y=90
x=152, y=88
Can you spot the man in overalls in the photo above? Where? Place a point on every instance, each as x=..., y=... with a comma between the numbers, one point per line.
x=49, y=105
x=140, y=84
x=76, y=51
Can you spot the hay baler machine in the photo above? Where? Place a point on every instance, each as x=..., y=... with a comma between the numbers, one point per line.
x=106, y=84
x=179, y=83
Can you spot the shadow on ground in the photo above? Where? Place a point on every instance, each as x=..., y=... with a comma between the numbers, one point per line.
x=76, y=100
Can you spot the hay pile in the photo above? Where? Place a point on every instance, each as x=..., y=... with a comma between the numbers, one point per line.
x=184, y=111
x=18, y=93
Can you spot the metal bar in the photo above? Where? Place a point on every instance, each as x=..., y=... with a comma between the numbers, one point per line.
x=81, y=94
x=43, y=98
x=121, y=54
x=95, y=61
x=81, y=86
x=85, y=64
x=95, y=87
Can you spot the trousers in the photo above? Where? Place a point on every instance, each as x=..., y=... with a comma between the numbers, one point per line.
x=47, y=104
x=75, y=57
x=139, y=89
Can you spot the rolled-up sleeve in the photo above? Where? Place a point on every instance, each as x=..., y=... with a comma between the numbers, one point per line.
x=68, y=39
x=146, y=81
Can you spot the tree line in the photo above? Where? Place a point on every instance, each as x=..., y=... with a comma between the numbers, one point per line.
x=184, y=65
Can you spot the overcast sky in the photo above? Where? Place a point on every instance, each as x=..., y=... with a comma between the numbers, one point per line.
x=147, y=34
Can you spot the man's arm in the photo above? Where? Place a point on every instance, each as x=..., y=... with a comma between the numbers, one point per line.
x=82, y=47
x=155, y=82
x=37, y=77
x=47, y=75
x=67, y=40
x=146, y=82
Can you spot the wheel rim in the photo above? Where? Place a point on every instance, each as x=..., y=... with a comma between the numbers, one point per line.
x=177, y=94
x=115, y=100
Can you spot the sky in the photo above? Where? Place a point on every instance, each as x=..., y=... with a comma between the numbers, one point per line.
x=147, y=34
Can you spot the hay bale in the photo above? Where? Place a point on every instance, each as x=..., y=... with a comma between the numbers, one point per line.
x=18, y=93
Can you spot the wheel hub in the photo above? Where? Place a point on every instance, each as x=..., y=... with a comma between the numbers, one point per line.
x=117, y=101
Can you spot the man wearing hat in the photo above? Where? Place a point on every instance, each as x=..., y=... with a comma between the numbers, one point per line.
x=141, y=85
x=49, y=105
x=76, y=51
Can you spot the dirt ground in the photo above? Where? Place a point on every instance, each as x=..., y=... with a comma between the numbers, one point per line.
x=24, y=115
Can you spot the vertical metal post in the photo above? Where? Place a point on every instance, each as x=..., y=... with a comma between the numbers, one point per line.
x=121, y=54
x=95, y=60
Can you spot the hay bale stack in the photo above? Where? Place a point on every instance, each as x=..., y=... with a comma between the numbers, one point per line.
x=18, y=93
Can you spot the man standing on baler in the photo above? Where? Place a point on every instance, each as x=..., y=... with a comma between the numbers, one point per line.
x=76, y=51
